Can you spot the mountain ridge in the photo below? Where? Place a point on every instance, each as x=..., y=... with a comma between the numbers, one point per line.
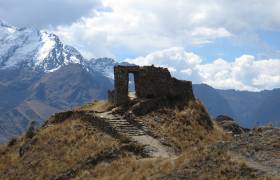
x=34, y=49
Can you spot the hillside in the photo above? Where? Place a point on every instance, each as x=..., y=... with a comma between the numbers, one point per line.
x=96, y=141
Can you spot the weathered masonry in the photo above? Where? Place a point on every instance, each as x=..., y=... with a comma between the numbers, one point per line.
x=150, y=82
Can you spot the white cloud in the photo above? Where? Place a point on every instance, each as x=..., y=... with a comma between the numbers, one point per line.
x=109, y=27
x=204, y=35
x=245, y=73
x=42, y=13
x=182, y=64
x=166, y=28
x=141, y=26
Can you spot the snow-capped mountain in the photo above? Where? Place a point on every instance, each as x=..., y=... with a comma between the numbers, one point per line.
x=39, y=75
x=34, y=49
x=38, y=50
x=104, y=65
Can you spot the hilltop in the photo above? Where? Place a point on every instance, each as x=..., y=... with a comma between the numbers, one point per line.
x=82, y=144
x=142, y=138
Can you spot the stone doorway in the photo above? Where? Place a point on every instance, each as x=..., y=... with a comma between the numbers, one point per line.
x=131, y=86
x=150, y=82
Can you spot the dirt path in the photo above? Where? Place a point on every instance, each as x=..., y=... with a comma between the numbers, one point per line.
x=155, y=148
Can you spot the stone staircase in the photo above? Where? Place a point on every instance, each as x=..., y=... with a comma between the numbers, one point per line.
x=123, y=126
x=137, y=133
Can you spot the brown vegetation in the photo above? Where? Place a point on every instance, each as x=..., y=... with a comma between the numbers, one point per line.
x=199, y=163
x=184, y=127
x=69, y=146
x=97, y=106
x=54, y=149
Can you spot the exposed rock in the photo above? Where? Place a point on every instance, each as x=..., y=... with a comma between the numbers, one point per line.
x=228, y=124
x=26, y=146
x=31, y=130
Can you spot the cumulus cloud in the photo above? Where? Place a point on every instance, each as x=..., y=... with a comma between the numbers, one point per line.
x=141, y=26
x=245, y=73
x=166, y=28
x=42, y=13
x=182, y=64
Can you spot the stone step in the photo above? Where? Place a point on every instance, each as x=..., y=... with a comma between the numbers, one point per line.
x=119, y=123
x=123, y=126
x=112, y=121
x=117, y=119
x=127, y=130
x=134, y=134
x=126, y=125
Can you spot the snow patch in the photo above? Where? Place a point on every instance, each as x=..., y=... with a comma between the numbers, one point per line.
x=48, y=45
x=55, y=69
x=74, y=59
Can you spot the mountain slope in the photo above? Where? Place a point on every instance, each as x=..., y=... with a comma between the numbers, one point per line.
x=213, y=100
x=39, y=76
x=34, y=96
x=268, y=110
x=254, y=108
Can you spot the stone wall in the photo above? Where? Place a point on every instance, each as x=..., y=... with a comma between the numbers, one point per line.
x=150, y=82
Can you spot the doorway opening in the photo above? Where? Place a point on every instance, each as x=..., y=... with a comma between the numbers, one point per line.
x=131, y=86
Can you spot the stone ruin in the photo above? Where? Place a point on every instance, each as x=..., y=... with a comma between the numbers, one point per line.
x=150, y=83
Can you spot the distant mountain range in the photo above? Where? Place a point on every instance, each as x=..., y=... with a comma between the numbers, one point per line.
x=248, y=108
x=39, y=75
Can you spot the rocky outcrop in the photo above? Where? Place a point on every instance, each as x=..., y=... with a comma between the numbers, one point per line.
x=228, y=124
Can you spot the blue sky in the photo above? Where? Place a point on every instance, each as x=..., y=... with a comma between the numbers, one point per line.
x=190, y=37
x=268, y=46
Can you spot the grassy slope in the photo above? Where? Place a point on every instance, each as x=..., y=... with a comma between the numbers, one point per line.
x=56, y=148
x=59, y=147
x=184, y=128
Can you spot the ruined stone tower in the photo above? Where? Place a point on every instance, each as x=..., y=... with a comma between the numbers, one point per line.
x=150, y=82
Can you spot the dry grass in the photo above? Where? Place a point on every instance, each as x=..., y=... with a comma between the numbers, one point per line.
x=56, y=148
x=127, y=168
x=61, y=146
x=211, y=163
x=185, y=128
x=98, y=106
x=201, y=163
